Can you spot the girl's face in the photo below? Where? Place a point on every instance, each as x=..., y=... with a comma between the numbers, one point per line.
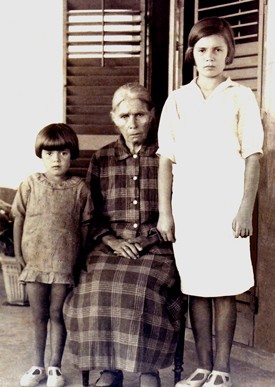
x=133, y=119
x=210, y=55
x=56, y=162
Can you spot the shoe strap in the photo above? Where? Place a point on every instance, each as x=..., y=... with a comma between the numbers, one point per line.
x=34, y=368
x=224, y=375
x=55, y=370
x=203, y=371
x=221, y=373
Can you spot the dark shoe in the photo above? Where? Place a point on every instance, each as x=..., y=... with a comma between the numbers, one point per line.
x=149, y=379
x=110, y=378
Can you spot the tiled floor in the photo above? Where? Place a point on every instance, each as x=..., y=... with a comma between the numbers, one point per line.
x=249, y=368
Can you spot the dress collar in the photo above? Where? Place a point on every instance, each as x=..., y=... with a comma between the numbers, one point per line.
x=222, y=86
x=72, y=181
x=122, y=152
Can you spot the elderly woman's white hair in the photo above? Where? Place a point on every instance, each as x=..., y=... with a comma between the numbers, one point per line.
x=131, y=90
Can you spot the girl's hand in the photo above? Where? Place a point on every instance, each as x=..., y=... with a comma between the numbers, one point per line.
x=20, y=261
x=166, y=227
x=242, y=225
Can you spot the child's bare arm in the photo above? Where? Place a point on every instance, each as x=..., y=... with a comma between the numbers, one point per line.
x=242, y=223
x=165, y=224
x=17, y=240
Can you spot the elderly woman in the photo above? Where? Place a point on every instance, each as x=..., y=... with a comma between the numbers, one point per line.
x=125, y=313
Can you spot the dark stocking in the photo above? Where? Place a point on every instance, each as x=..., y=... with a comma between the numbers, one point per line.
x=200, y=310
x=225, y=322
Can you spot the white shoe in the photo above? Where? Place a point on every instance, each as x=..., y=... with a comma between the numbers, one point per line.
x=224, y=376
x=192, y=381
x=55, y=377
x=33, y=377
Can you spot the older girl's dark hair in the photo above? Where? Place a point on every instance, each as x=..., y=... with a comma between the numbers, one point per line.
x=211, y=26
x=57, y=136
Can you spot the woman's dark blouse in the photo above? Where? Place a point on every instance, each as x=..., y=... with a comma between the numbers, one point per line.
x=124, y=189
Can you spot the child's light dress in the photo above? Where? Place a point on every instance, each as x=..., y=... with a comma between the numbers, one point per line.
x=53, y=215
x=208, y=140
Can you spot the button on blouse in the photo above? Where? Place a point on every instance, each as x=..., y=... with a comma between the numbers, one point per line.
x=124, y=190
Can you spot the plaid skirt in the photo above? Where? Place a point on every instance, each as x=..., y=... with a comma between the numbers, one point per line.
x=125, y=314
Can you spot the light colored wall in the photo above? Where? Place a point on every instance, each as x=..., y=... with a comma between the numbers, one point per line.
x=264, y=320
x=31, y=84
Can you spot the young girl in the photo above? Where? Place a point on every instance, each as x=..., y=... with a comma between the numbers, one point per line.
x=51, y=212
x=210, y=143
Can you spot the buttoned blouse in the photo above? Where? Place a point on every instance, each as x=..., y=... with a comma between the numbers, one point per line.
x=124, y=191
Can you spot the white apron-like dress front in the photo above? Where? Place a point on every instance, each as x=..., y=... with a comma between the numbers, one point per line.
x=208, y=141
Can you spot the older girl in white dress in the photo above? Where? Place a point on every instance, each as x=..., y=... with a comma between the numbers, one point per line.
x=210, y=143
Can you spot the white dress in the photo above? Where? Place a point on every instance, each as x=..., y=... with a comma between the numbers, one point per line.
x=208, y=140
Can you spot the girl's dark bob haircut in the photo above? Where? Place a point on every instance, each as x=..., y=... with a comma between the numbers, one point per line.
x=211, y=26
x=57, y=136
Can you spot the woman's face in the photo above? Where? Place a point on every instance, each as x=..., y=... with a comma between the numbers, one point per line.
x=210, y=55
x=133, y=120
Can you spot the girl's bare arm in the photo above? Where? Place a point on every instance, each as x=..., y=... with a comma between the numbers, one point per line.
x=17, y=240
x=242, y=223
x=165, y=224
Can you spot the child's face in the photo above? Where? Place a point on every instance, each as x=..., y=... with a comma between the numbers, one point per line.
x=210, y=55
x=56, y=162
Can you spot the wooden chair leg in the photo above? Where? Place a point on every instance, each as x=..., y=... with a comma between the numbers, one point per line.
x=178, y=362
x=85, y=378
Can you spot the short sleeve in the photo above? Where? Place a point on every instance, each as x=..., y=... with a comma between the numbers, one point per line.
x=169, y=120
x=250, y=129
x=20, y=201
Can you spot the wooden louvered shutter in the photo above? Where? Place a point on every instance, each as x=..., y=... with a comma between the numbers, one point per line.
x=103, y=49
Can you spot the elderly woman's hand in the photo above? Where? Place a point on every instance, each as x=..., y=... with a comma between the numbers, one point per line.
x=123, y=248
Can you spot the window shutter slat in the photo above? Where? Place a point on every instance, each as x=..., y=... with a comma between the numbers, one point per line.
x=103, y=50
